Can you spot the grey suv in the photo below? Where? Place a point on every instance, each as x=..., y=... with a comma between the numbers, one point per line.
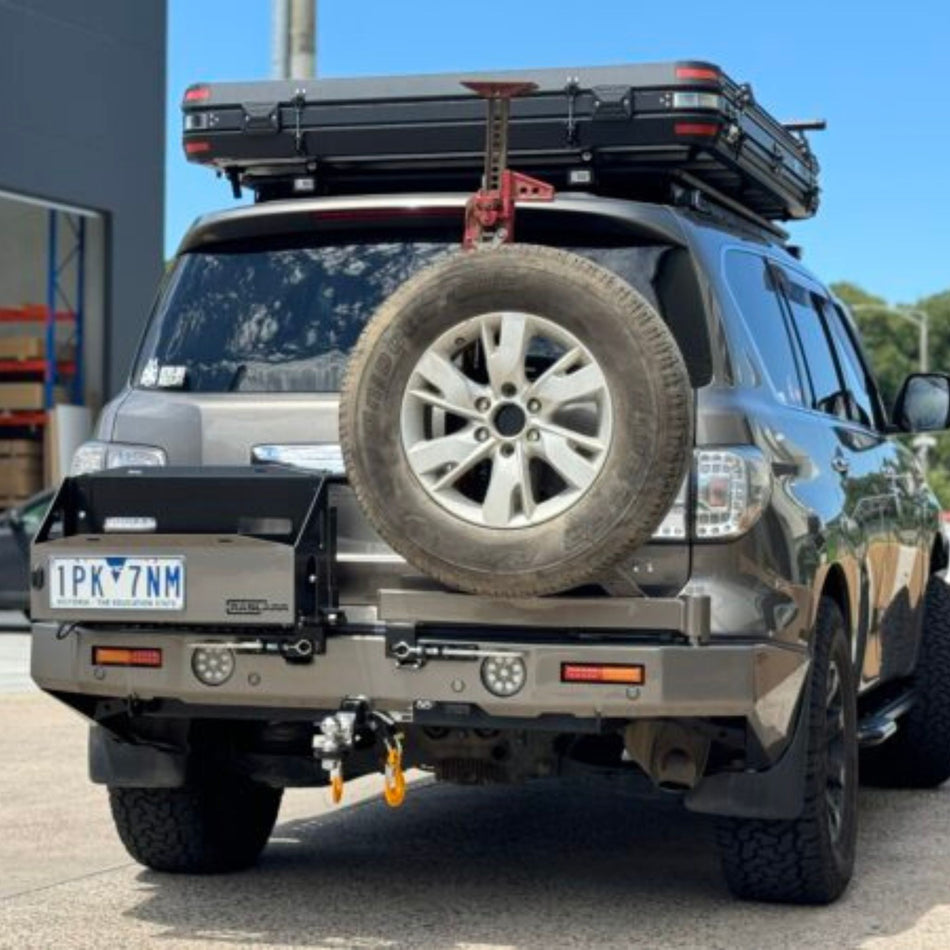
x=620, y=499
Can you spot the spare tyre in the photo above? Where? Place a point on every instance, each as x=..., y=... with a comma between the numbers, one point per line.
x=515, y=420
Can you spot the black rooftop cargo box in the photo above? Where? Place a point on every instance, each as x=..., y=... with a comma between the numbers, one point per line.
x=633, y=131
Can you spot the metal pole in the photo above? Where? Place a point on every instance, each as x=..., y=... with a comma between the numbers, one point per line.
x=924, y=342
x=80, y=311
x=49, y=377
x=303, y=33
x=280, y=39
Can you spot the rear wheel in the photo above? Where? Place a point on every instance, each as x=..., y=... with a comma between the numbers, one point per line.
x=211, y=826
x=918, y=756
x=808, y=860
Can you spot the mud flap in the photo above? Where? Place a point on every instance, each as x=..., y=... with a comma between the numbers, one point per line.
x=127, y=765
x=775, y=793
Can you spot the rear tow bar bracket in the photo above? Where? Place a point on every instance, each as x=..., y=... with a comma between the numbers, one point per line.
x=292, y=649
x=415, y=656
x=356, y=726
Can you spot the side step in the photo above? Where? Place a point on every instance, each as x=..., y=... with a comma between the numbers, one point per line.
x=879, y=726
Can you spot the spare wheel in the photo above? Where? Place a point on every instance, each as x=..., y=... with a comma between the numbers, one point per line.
x=515, y=421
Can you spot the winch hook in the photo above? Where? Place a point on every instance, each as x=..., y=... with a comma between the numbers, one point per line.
x=394, y=779
x=336, y=783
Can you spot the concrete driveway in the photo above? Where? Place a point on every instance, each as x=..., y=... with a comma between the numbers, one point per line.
x=537, y=867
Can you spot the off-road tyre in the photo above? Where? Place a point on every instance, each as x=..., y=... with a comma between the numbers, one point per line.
x=918, y=755
x=210, y=827
x=641, y=473
x=801, y=861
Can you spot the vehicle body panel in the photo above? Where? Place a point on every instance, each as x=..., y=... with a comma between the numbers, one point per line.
x=849, y=516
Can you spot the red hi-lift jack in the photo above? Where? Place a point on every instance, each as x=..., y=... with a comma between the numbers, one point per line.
x=490, y=212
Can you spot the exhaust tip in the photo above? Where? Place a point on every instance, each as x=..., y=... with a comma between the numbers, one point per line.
x=678, y=771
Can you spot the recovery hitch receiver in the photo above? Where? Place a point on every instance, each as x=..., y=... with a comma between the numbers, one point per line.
x=357, y=726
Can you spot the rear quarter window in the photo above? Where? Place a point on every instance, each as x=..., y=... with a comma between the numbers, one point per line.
x=754, y=292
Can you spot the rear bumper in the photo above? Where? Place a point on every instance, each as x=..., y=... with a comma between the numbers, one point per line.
x=759, y=681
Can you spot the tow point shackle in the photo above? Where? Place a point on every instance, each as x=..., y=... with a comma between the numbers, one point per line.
x=337, y=736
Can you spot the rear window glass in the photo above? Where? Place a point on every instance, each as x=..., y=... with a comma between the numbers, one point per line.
x=284, y=319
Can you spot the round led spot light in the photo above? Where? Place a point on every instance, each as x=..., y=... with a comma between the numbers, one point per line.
x=212, y=666
x=504, y=675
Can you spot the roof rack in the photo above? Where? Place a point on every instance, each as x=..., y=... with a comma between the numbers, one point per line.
x=639, y=131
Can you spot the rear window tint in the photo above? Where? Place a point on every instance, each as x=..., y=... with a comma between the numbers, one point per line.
x=284, y=319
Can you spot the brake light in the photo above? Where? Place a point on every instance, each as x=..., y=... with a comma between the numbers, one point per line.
x=696, y=128
x=197, y=93
x=697, y=72
x=609, y=673
x=732, y=489
x=196, y=148
x=127, y=656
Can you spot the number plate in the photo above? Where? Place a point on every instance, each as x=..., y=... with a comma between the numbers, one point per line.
x=117, y=583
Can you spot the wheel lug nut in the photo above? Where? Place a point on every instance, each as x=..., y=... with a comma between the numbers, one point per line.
x=508, y=389
x=533, y=435
x=534, y=405
x=482, y=404
x=481, y=434
x=507, y=450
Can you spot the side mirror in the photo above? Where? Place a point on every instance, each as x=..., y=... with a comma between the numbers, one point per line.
x=923, y=403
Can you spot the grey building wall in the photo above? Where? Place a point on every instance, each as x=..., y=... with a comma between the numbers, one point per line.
x=82, y=105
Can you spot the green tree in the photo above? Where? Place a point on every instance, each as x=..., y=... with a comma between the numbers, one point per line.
x=892, y=345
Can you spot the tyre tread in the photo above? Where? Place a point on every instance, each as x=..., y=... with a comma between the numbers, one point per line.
x=790, y=861
x=204, y=828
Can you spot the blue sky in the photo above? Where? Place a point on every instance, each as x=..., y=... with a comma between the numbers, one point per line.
x=877, y=71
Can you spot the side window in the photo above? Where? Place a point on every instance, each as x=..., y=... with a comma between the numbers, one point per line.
x=820, y=362
x=751, y=285
x=859, y=385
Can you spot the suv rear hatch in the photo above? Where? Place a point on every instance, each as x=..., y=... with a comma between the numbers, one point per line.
x=247, y=345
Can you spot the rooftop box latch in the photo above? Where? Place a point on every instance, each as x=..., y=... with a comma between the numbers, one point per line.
x=261, y=118
x=612, y=103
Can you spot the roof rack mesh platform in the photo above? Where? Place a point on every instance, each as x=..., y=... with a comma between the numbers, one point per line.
x=640, y=131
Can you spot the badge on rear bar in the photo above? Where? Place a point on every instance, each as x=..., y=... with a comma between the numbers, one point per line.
x=117, y=582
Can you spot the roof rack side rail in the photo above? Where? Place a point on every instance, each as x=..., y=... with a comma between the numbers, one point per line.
x=728, y=204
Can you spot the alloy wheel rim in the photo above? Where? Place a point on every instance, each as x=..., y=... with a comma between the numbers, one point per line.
x=506, y=420
x=836, y=766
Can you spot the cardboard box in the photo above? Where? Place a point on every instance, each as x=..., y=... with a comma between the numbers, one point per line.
x=20, y=448
x=25, y=395
x=22, y=347
x=21, y=395
x=21, y=476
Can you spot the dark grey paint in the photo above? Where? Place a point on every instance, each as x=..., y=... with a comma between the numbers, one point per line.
x=82, y=113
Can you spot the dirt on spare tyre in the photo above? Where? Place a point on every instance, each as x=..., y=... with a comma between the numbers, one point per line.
x=644, y=464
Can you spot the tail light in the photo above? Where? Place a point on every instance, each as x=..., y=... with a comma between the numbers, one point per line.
x=730, y=489
x=198, y=93
x=127, y=656
x=610, y=673
x=706, y=129
x=674, y=527
x=706, y=73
